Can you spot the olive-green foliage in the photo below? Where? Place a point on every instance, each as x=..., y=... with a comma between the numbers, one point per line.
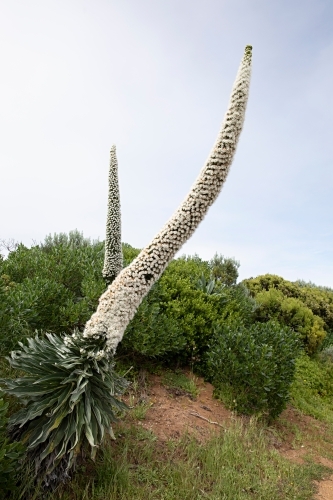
x=224, y=269
x=268, y=281
x=318, y=299
x=312, y=388
x=196, y=311
x=252, y=367
x=54, y=287
x=152, y=332
x=10, y=455
x=129, y=253
x=288, y=311
x=178, y=317
x=50, y=287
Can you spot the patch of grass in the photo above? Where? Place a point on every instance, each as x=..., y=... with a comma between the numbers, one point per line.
x=235, y=465
x=312, y=388
x=138, y=411
x=287, y=429
x=179, y=381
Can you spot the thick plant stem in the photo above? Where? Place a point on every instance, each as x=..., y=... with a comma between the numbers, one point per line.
x=118, y=305
x=113, y=260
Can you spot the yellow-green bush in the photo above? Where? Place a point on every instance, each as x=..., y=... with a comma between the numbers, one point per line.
x=303, y=306
x=288, y=311
x=312, y=388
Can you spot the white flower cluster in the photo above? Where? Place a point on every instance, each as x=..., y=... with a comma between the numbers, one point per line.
x=97, y=355
x=113, y=261
x=118, y=305
x=67, y=341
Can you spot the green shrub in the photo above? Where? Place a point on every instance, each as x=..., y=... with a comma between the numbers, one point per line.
x=317, y=376
x=10, y=455
x=195, y=311
x=178, y=315
x=291, y=312
x=318, y=299
x=129, y=253
x=252, y=367
x=55, y=286
x=224, y=269
x=267, y=281
x=312, y=388
x=152, y=332
x=51, y=287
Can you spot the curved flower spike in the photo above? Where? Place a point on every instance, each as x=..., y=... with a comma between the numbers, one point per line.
x=118, y=305
x=113, y=261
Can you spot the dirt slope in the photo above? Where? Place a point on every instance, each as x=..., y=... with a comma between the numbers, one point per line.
x=170, y=412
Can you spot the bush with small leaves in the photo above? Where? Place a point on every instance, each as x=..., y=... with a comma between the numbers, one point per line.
x=129, y=253
x=291, y=312
x=152, y=332
x=224, y=269
x=51, y=287
x=195, y=311
x=318, y=299
x=312, y=388
x=252, y=367
x=178, y=315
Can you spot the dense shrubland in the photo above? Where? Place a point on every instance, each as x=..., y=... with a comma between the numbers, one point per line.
x=243, y=337
x=55, y=286
x=194, y=310
x=51, y=287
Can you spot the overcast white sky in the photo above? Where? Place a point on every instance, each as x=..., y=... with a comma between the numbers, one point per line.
x=154, y=77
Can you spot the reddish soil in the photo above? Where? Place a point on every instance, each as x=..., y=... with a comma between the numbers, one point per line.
x=172, y=412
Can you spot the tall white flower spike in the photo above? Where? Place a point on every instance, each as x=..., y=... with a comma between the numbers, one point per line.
x=113, y=260
x=118, y=305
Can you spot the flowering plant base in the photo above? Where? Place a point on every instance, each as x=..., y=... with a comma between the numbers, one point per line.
x=71, y=392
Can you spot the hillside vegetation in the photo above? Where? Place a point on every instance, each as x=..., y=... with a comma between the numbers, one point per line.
x=262, y=343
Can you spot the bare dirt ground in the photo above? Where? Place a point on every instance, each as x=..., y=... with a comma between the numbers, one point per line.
x=172, y=412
